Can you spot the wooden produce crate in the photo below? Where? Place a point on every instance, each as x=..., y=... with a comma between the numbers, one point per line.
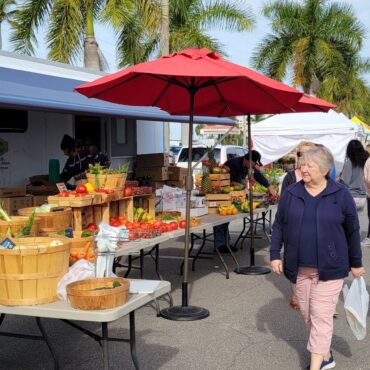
x=235, y=194
x=30, y=272
x=213, y=201
x=82, y=216
x=71, y=201
x=222, y=179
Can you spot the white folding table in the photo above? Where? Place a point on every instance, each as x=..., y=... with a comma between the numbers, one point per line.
x=62, y=310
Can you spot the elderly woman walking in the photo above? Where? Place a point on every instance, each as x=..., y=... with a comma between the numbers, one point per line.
x=318, y=224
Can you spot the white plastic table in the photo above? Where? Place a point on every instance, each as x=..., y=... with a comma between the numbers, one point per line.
x=63, y=311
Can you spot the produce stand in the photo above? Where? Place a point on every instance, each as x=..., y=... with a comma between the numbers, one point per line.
x=63, y=311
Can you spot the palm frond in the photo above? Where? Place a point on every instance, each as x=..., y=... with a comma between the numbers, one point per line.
x=66, y=31
x=26, y=22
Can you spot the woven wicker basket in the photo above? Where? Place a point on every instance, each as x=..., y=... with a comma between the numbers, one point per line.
x=18, y=223
x=30, y=272
x=82, y=295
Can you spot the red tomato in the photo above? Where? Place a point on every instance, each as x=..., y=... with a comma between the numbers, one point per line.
x=92, y=227
x=121, y=219
x=173, y=225
x=81, y=189
x=132, y=235
x=182, y=224
x=109, y=191
x=136, y=225
x=157, y=224
x=115, y=223
x=127, y=192
x=63, y=194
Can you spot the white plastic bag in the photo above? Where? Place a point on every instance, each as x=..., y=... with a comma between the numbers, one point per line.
x=81, y=270
x=356, y=305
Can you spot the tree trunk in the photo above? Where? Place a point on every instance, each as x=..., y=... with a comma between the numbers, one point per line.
x=315, y=84
x=91, y=54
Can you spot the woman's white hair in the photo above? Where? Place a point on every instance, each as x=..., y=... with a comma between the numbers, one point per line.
x=322, y=156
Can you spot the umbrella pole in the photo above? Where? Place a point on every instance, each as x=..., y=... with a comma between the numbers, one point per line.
x=252, y=269
x=186, y=312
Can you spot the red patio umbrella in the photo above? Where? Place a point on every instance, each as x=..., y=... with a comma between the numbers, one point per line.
x=195, y=82
x=308, y=103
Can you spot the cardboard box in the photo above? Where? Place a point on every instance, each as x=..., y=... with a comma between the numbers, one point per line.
x=153, y=160
x=194, y=212
x=155, y=173
x=158, y=184
x=177, y=173
x=12, y=192
x=39, y=200
x=12, y=204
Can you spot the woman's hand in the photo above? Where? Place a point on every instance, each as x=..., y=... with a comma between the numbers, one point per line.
x=357, y=272
x=277, y=266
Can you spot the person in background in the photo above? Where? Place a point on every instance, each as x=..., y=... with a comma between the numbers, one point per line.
x=295, y=174
x=96, y=156
x=238, y=169
x=366, y=241
x=318, y=224
x=352, y=174
x=77, y=162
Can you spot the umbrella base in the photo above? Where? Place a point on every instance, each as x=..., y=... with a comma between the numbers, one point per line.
x=184, y=313
x=252, y=270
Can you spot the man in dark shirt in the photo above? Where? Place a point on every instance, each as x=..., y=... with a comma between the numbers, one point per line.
x=238, y=169
x=77, y=162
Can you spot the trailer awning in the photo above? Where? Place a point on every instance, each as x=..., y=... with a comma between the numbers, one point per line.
x=37, y=91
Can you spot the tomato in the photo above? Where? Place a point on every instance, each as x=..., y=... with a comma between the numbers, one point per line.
x=129, y=225
x=81, y=189
x=136, y=225
x=72, y=192
x=157, y=224
x=121, y=219
x=64, y=194
x=92, y=227
x=132, y=235
x=115, y=223
x=173, y=225
x=127, y=192
x=79, y=195
x=182, y=224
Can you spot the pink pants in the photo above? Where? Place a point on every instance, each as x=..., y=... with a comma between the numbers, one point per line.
x=317, y=301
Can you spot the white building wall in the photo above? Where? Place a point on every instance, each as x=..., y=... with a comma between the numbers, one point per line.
x=29, y=152
x=150, y=138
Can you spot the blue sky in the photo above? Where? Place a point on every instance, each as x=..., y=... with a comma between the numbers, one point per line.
x=238, y=46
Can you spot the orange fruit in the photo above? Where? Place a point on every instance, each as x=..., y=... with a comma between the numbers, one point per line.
x=235, y=211
x=223, y=212
x=74, y=254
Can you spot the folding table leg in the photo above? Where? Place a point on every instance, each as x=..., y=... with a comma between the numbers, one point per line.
x=223, y=263
x=105, y=345
x=141, y=264
x=133, y=340
x=199, y=250
x=241, y=234
x=2, y=317
x=48, y=343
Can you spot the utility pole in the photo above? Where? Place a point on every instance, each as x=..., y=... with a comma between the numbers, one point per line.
x=165, y=49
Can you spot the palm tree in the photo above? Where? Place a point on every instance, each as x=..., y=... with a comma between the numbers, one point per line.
x=6, y=14
x=70, y=28
x=310, y=40
x=139, y=38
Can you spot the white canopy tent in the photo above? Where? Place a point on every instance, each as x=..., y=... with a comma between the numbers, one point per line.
x=280, y=134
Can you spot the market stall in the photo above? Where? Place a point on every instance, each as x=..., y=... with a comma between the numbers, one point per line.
x=278, y=135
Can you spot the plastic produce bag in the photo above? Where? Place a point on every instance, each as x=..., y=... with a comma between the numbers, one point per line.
x=81, y=270
x=356, y=305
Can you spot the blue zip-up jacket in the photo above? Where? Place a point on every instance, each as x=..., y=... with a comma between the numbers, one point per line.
x=338, y=231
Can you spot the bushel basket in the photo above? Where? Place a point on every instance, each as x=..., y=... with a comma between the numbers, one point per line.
x=30, y=272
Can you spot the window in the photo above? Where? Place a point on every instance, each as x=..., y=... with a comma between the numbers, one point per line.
x=13, y=120
x=239, y=152
x=230, y=153
x=197, y=153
